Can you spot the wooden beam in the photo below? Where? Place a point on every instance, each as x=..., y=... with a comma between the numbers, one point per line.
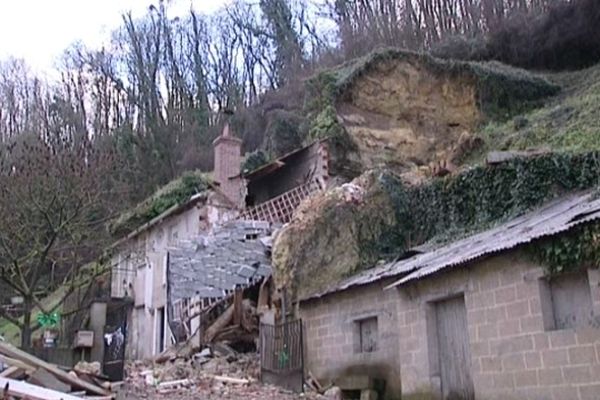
x=12, y=352
x=32, y=392
x=16, y=363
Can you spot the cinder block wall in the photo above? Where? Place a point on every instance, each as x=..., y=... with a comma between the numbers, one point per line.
x=331, y=334
x=512, y=355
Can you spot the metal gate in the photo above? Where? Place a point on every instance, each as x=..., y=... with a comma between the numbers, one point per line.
x=281, y=355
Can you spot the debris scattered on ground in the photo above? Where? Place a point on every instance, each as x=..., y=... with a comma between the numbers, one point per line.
x=220, y=373
x=28, y=377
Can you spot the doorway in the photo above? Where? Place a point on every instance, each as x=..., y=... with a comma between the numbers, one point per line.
x=454, y=356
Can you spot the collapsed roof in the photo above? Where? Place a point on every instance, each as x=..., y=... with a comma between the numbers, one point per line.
x=214, y=264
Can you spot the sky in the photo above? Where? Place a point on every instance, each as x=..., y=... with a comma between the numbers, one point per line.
x=39, y=30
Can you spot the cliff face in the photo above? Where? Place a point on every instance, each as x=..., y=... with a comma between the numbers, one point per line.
x=403, y=110
x=379, y=215
x=332, y=235
x=402, y=114
x=394, y=114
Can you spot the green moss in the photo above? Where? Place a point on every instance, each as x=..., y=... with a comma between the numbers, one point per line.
x=502, y=91
x=174, y=193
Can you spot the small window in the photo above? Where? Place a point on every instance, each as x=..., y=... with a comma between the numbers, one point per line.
x=365, y=335
x=566, y=301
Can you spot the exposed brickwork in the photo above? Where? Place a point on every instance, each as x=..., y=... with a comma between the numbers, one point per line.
x=228, y=160
x=512, y=356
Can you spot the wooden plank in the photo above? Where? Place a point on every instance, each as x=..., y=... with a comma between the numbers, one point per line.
x=16, y=363
x=32, y=392
x=10, y=372
x=12, y=352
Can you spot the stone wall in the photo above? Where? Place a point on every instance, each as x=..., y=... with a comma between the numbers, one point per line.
x=513, y=356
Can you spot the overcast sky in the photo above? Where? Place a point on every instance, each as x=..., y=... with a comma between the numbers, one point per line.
x=39, y=30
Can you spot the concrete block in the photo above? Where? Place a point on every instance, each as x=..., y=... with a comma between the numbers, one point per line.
x=541, y=341
x=582, y=355
x=504, y=380
x=564, y=392
x=562, y=338
x=488, y=331
x=533, y=360
x=589, y=392
x=575, y=375
x=550, y=377
x=495, y=314
x=554, y=358
x=513, y=362
x=505, y=295
x=532, y=324
x=526, y=378
x=511, y=327
x=517, y=309
x=368, y=394
x=491, y=364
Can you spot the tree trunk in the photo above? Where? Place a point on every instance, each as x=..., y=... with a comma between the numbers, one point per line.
x=26, y=329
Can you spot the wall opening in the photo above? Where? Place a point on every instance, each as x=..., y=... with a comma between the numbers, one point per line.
x=566, y=301
x=365, y=335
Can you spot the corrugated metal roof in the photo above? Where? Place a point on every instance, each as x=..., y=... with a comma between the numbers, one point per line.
x=553, y=218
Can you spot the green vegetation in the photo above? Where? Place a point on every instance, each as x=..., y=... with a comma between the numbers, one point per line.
x=575, y=249
x=174, y=193
x=447, y=208
x=253, y=161
x=502, y=90
x=570, y=121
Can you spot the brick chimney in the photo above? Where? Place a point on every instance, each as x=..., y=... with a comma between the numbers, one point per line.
x=228, y=160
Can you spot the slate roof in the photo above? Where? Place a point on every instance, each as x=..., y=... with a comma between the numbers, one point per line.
x=553, y=218
x=212, y=265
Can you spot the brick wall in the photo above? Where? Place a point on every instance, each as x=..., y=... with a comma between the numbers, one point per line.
x=512, y=355
x=330, y=336
x=228, y=160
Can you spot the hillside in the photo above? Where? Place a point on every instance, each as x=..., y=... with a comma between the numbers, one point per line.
x=382, y=214
x=569, y=121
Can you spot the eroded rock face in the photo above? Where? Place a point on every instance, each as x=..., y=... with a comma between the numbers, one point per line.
x=333, y=235
x=403, y=114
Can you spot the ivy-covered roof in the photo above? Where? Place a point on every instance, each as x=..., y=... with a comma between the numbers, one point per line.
x=175, y=193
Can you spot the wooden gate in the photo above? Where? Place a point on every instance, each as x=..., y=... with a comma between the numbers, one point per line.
x=453, y=349
x=281, y=355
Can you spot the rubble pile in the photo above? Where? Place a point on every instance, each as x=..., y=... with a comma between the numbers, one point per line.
x=220, y=373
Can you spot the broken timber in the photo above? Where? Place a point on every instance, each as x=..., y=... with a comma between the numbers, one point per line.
x=34, y=362
x=32, y=392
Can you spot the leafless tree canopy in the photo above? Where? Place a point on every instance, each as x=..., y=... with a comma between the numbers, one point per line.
x=124, y=119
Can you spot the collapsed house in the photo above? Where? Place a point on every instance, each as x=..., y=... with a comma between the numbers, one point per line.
x=476, y=318
x=191, y=258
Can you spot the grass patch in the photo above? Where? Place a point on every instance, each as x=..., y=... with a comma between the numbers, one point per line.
x=174, y=193
x=569, y=122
